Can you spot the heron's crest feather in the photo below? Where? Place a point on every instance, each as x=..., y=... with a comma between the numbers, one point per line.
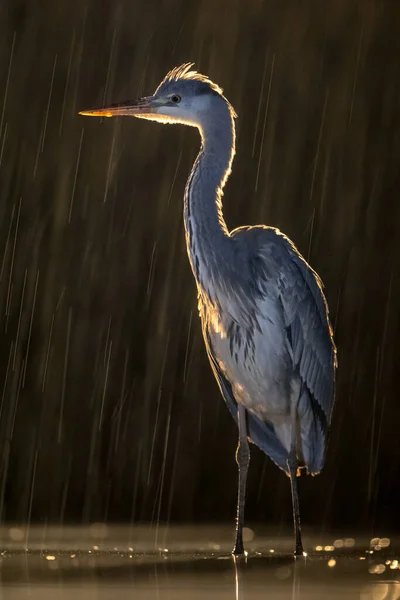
x=185, y=73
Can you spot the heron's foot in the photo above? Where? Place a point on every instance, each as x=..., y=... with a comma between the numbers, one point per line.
x=299, y=551
x=238, y=549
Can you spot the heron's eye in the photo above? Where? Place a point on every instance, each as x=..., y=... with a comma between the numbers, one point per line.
x=175, y=99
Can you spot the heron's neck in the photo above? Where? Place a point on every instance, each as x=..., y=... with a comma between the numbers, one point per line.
x=207, y=237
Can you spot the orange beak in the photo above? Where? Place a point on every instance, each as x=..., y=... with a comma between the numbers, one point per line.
x=129, y=108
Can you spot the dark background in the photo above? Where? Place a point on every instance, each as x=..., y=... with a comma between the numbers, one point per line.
x=108, y=407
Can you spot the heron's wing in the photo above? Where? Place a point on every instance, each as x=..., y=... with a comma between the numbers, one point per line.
x=306, y=319
x=260, y=433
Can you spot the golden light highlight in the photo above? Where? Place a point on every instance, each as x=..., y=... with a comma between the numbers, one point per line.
x=97, y=113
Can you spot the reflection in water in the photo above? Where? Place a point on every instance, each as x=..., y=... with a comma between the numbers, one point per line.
x=382, y=591
x=180, y=577
x=80, y=567
x=314, y=574
x=296, y=579
x=283, y=572
x=235, y=562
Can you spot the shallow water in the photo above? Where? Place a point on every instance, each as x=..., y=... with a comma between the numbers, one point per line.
x=105, y=563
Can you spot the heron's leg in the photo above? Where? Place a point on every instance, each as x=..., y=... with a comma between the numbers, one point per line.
x=293, y=465
x=243, y=460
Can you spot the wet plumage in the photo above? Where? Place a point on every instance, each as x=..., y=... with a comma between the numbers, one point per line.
x=264, y=316
x=276, y=344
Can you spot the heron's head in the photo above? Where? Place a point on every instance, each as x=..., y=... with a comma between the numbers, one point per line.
x=184, y=96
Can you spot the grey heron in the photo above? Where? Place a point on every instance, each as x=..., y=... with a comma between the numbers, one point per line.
x=264, y=316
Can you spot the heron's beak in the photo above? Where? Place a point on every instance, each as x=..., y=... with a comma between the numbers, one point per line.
x=138, y=108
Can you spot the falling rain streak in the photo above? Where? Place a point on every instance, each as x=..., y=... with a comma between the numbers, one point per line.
x=7, y=84
x=265, y=122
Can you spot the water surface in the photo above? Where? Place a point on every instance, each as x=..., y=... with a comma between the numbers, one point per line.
x=106, y=563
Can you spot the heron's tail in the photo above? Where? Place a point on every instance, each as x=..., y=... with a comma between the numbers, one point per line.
x=313, y=432
x=263, y=435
